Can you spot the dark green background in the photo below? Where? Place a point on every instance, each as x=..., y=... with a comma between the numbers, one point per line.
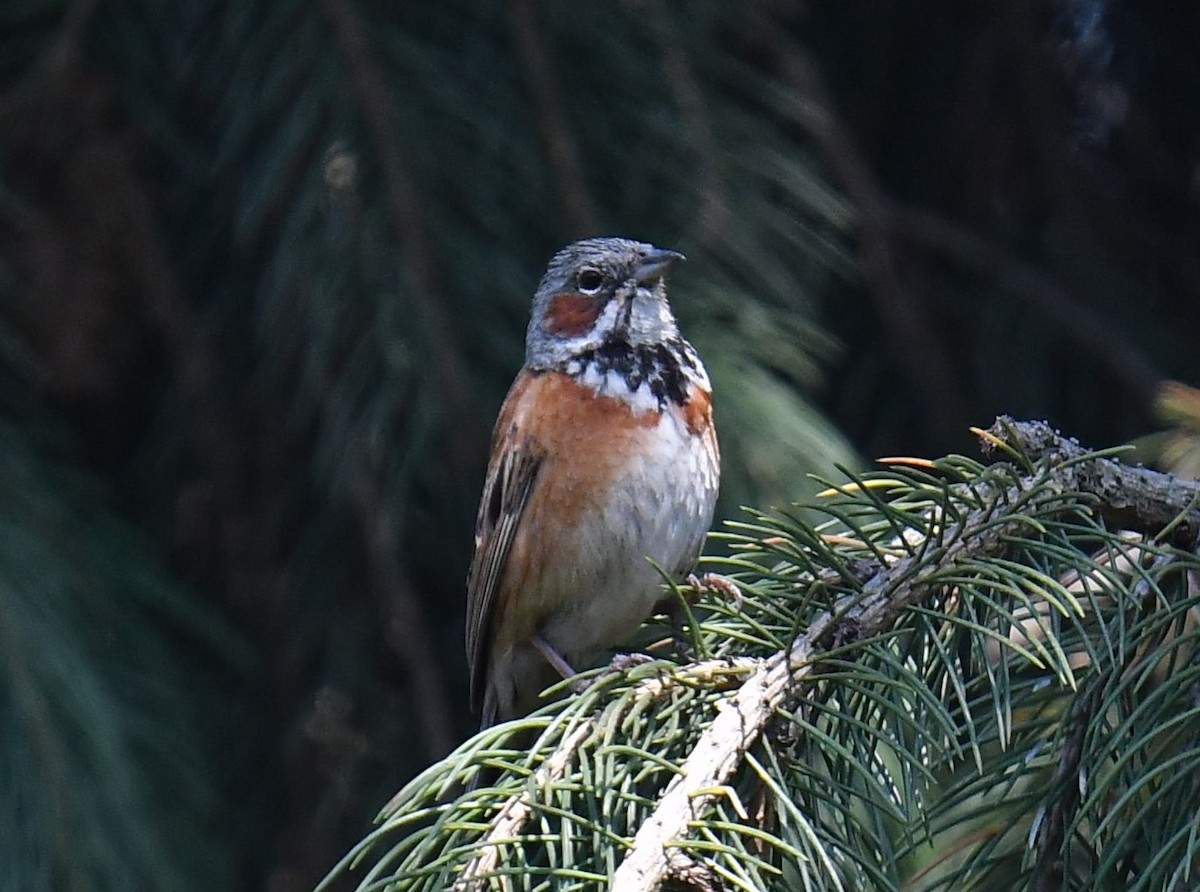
x=264, y=277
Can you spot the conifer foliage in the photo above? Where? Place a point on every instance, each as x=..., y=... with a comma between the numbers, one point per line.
x=964, y=677
x=265, y=271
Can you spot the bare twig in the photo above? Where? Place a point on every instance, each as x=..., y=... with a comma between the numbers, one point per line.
x=1048, y=872
x=560, y=142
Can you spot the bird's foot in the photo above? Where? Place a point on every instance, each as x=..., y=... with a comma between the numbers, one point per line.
x=714, y=582
x=623, y=662
x=553, y=657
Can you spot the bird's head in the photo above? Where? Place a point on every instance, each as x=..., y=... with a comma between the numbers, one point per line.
x=598, y=291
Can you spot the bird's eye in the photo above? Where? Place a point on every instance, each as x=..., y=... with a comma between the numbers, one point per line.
x=590, y=281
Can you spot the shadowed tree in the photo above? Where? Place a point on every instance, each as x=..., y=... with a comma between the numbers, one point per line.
x=264, y=276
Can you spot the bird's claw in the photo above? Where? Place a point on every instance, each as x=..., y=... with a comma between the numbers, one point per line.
x=715, y=582
x=623, y=662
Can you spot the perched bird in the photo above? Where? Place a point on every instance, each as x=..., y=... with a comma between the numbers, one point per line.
x=604, y=455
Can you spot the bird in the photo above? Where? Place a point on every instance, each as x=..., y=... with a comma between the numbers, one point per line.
x=604, y=466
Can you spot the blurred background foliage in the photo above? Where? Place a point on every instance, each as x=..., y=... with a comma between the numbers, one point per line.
x=264, y=279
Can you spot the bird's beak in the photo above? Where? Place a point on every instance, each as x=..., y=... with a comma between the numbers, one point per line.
x=654, y=265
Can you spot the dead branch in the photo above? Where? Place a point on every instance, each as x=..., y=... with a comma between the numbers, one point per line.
x=1128, y=497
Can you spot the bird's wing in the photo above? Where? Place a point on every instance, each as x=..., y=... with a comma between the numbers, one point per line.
x=510, y=481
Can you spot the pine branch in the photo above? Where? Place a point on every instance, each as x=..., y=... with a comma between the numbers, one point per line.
x=929, y=619
x=518, y=810
x=782, y=679
x=1127, y=497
